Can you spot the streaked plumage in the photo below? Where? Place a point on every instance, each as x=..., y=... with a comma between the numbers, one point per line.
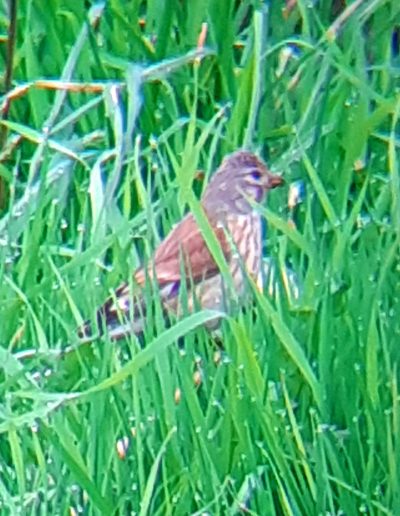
x=228, y=201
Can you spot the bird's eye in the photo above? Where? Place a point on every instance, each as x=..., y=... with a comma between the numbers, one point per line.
x=256, y=175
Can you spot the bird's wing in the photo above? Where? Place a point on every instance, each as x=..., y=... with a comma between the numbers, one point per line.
x=184, y=246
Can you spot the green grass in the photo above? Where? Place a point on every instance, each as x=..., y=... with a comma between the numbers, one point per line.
x=299, y=413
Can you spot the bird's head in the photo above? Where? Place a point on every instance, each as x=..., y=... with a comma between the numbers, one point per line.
x=241, y=179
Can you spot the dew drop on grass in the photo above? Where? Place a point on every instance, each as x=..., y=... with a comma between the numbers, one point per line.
x=197, y=496
x=272, y=391
x=226, y=359
x=259, y=444
x=80, y=228
x=63, y=224
x=210, y=435
x=378, y=491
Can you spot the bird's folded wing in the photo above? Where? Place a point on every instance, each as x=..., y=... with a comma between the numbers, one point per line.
x=184, y=249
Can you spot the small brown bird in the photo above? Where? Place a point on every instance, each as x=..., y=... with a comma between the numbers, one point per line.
x=228, y=202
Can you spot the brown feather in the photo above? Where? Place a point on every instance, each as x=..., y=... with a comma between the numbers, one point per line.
x=184, y=242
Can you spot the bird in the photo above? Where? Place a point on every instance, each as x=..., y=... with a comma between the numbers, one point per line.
x=229, y=202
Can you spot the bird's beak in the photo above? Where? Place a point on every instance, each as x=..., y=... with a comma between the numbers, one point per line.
x=274, y=180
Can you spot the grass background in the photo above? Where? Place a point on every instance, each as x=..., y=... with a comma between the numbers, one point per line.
x=299, y=413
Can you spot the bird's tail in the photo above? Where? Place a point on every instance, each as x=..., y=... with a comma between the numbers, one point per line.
x=125, y=313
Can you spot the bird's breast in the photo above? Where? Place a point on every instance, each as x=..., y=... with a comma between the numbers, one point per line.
x=246, y=232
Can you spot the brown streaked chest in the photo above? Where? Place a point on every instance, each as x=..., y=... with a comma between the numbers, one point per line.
x=246, y=233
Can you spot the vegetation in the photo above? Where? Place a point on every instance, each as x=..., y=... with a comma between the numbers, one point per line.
x=298, y=412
